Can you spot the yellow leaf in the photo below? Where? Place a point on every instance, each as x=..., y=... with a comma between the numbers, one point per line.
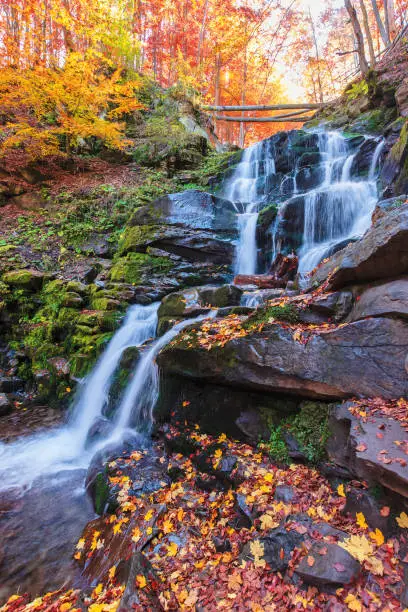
x=172, y=550
x=377, y=537
x=65, y=607
x=148, y=515
x=267, y=522
x=192, y=598
x=81, y=544
x=97, y=591
x=268, y=477
x=375, y=566
x=358, y=547
x=141, y=582
x=257, y=551
x=353, y=603
x=402, y=520
x=112, y=572
x=218, y=453
x=340, y=490
x=361, y=522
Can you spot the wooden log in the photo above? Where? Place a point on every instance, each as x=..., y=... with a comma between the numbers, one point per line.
x=263, y=119
x=306, y=106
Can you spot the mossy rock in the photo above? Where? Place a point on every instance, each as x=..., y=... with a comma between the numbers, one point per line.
x=97, y=320
x=77, y=287
x=72, y=300
x=132, y=268
x=136, y=238
x=105, y=303
x=25, y=279
x=267, y=216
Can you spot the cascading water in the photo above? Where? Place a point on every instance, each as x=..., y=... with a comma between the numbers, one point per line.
x=340, y=208
x=244, y=191
x=66, y=447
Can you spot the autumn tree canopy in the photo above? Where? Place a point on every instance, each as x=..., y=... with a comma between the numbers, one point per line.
x=73, y=67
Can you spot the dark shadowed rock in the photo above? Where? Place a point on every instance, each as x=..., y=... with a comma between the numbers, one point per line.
x=361, y=500
x=334, y=567
x=389, y=299
x=5, y=405
x=278, y=546
x=131, y=598
x=366, y=358
x=284, y=493
x=354, y=444
x=382, y=251
x=336, y=305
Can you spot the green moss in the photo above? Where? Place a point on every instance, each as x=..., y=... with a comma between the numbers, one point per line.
x=101, y=492
x=268, y=215
x=25, y=279
x=310, y=428
x=132, y=268
x=277, y=446
x=270, y=314
x=137, y=238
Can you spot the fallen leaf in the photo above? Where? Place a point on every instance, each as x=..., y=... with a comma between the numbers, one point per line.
x=340, y=490
x=377, y=537
x=402, y=520
x=361, y=522
x=141, y=581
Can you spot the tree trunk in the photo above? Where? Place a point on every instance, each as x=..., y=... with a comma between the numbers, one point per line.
x=319, y=80
x=359, y=36
x=368, y=33
x=380, y=24
x=202, y=33
x=391, y=25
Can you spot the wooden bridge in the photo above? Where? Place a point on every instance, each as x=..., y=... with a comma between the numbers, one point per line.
x=297, y=116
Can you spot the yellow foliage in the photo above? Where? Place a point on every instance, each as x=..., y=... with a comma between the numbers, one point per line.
x=402, y=520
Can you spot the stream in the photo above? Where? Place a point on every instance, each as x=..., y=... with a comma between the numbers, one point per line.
x=43, y=504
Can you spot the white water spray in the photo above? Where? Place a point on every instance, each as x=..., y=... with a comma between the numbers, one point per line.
x=340, y=208
x=243, y=189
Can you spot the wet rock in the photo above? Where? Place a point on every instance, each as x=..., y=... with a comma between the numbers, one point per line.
x=386, y=206
x=131, y=598
x=336, y=305
x=389, y=299
x=60, y=365
x=5, y=405
x=284, y=493
x=309, y=177
x=221, y=545
x=10, y=384
x=263, y=281
x=196, y=301
x=340, y=363
x=241, y=517
x=194, y=209
x=253, y=425
x=355, y=445
x=382, y=249
x=361, y=500
x=289, y=234
x=278, y=546
x=363, y=158
x=335, y=567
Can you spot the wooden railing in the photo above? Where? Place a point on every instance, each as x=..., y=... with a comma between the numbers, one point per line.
x=297, y=116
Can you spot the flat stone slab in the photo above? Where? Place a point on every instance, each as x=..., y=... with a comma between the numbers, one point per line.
x=328, y=565
x=389, y=299
x=364, y=359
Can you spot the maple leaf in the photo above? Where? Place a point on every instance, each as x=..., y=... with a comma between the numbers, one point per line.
x=172, y=549
x=385, y=511
x=267, y=522
x=234, y=582
x=361, y=521
x=353, y=603
x=257, y=551
x=358, y=547
x=141, y=581
x=340, y=490
x=168, y=526
x=361, y=448
x=191, y=599
x=149, y=515
x=310, y=561
x=402, y=520
x=377, y=537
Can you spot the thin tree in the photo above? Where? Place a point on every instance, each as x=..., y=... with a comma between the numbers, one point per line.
x=390, y=24
x=319, y=80
x=381, y=28
x=359, y=37
x=368, y=33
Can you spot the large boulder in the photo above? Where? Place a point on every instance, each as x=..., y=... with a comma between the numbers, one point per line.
x=371, y=447
x=382, y=252
x=194, y=209
x=389, y=299
x=395, y=169
x=191, y=301
x=328, y=565
x=366, y=358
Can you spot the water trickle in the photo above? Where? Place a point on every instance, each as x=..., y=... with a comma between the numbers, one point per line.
x=246, y=190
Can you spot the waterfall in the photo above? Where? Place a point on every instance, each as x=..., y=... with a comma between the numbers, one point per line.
x=340, y=208
x=70, y=446
x=246, y=192
x=136, y=408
